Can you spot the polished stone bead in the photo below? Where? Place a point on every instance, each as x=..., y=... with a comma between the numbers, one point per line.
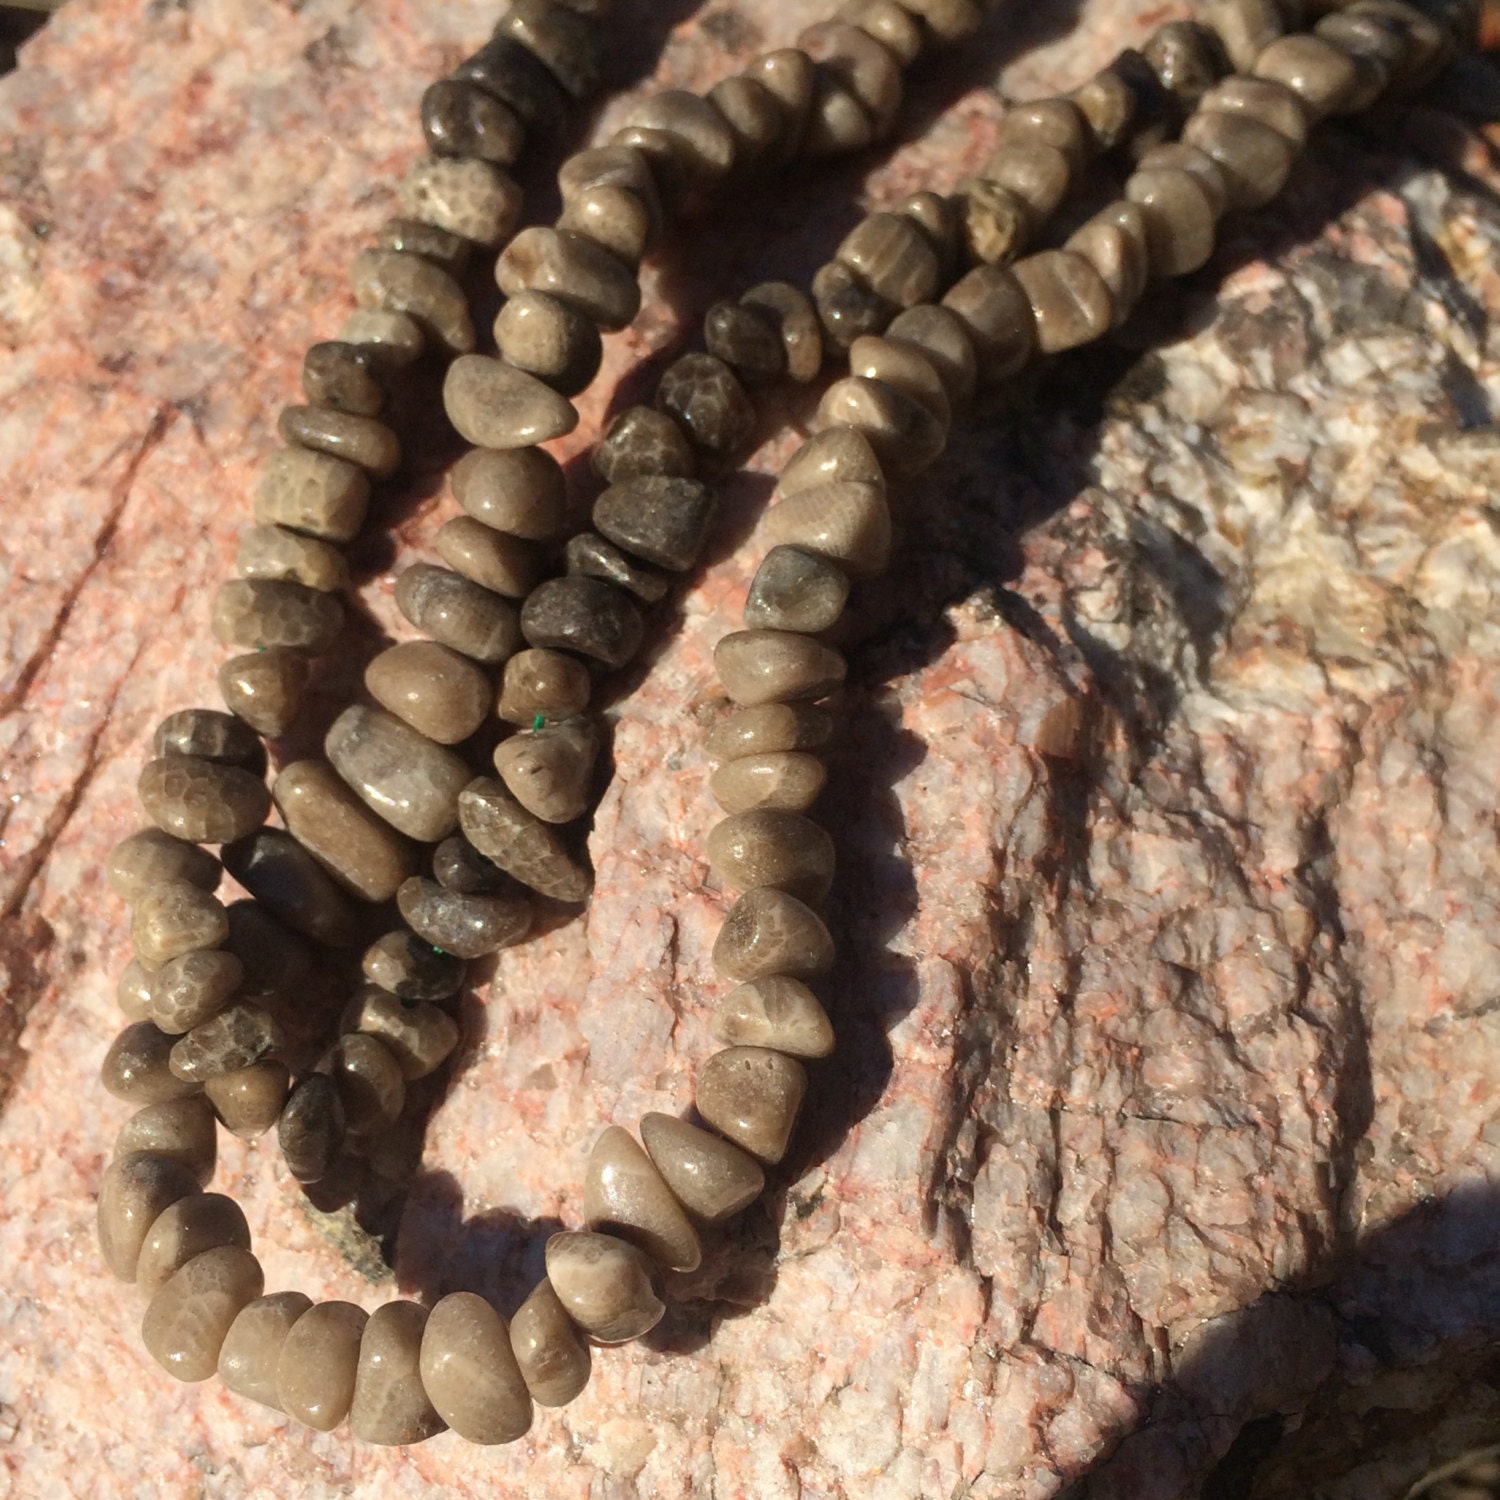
x=136, y=1189
x=419, y=1036
x=550, y=685
x=939, y=336
x=835, y=455
x=251, y=1348
x=551, y=1353
x=474, y=199
x=470, y=1373
x=1188, y=58
x=1245, y=28
x=1263, y=99
x=402, y=964
x=517, y=490
x=495, y=405
x=259, y=613
x=795, y=589
x=517, y=77
x=788, y=75
x=202, y=801
x=189, y=989
x=757, y=119
x=548, y=770
x=787, y=780
x=643, y=442
x=705, y=396
x=585, y=615
x=249, y=1100
x=613, y=167
x=1324, y=77
x=573, y=269
x=571, y=46
x=186, y=1323
x=364, y=441
x=133, y=991
x=752, y=1095
x=865, y=68
x=460, y=867
x=1057, y=123
x=746, y=338
x=360, y=850
x=369, y=1080
x=949, y=20
x=1427, y=43
x=609, y=1288
x=663, y=519
x=770, y=932
x=1255, y=158
x=775, y=1012
x=293, y=886
x=837, y=122
x=877, y=358
x=549, y=339
x=846, y=523
x=893, y=258
x=319, y=1359
x=188, y=1228
x=995, y=222
x=434, y=689
x=904, y=433
x=769, y=728
x=343, y=377
x=310, y=1130
x=625, y=1195
x=1125, y=100
x=182, y=1129
x=239, y=1035
x=769, y=848
x=1070, y=302
x=176, y=918
x=412, y=783
x=847, y=307
x=994, y=309
x=264, y=688
x=277, y=962
x=796, y=321
x=589, y=555
x=1036, y=174
x=711, y=1178
x=703, y=143
x=140, y=863
x=1377, y=46
x=773, y=666
x=395, y=281
x=394, y=339
x=614, y=217
x=460, y=613
x=892, y=25
x=519, y=842
x=1202, y=168
x=273, y=552
x=1178, y=216
x=460, y=119
x=210, y=736
x=317, y=493
x=390, y=1406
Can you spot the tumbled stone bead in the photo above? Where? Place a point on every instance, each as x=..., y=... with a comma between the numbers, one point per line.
x=1426, y=43
x=892, y=256
x=467, y=197
x=136, y=1067
x=937, y=217
x=847, y=307
x=613, y=167
x=1057, y=123
x=585, y=615
x=495, y=405
x=276, y=962
x=548, y=769
x=460, y=867
x=769, y=728
x=363, y=441
x=412, y=783
x=605, y=1285
x=994, y=309
x=257, y=613
x=460, y=119
x=752, y=1095
x=837, y=121
x=360, y=850
x=775, y=1012
x=135, y=1190
x=1126, y=99
x=788, y=75
x=551, y=1354
x=858, y=62
x=704, y=395
x=311, y=1128
x=1070, y=303
x=835, y=455
x=770, y=932
x=591, y=556
x=613, y=217
x=394, y=281
x=319, y=1358
x=624, y=1195
x=1178, y=216
x=318, y=493
x=940, y=337
x=546, y=684
x=520, y=842
x=458, y=612
x=404, y=965
x=904, y=433
x=573, y=269
x=292, y=885
x=140, y=863
x=438, y=692
x=1324, y=77
x=133, y=991
x=369, y=1080
x=176, y=918
x=892, y=25
x=1378, y=48
x=797, y=323
x=249, y=1100
x=1037, y=174
x=190, y=988
x=469, y=1371
x=251, y=1348
x=703, y=141
x=795, y=589
x=710, y=1177
x=264, y=688
x=772, y=666
x=848, y=523
x=517, y=77
x=547, y=338
x=210, y=736
x=186, y=1323
x=756, y=118
x=416, y=237
x=390, y=1406
x=877, y=358
x=181, y=1129
x=342, y=376
x=1255, y=158
x=239, y=1035
x=517, y=490
x=1261, y=99
x=996, y=222
x=949, y=19
x=1245, y=28
x=661, y=518
x=1187, y=57
x=747, y=339
x=643, y=442
x=419, y=1036
x=569, y=45
x=1202, y=168
x=787, y=780
x=769, y=848
x=188, y=1228
x=394, y=339
x=273, y=552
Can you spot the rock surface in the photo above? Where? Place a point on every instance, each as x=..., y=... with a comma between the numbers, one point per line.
x=1166, y=1104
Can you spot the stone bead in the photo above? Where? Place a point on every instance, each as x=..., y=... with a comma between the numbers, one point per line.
x=704, y=395
x=176, y=918
x=550, y=340
x=145, y=860
x=517, y=77
x=795, y=589
x=606, y=1286
x=361, y=851
x=643, y=442
x=1378, y=47
x=796, y=320
x=996, y=222
x=364, y=441
x=188, y=1228
x=1037, y=174
x=612, y=167
x=181, y=1129
x=1178, y=216
x=390, y=1405
x=257, y=613
x=239, y=1035
x=848, y=523
x=135, y=1190
x=892, y=25
x=190, y=988
x=661, y=518
x=786, y=780
x=903, y=432
x=756, y=118
x=400, y=774
x=1324, y=77
x=459, y=612
x=788, y=75
x=460, y=867
x=940, y=337
x=772, y=666
x=1202, y=168
x=285, y=878
x=394, y=339
x=342, y=377
x=710, y=1177
x=210, y=736
x=1245, y=28
x=133, y=991
x=752, y=1095
x=1057, y=123
x=551, y=1354
x=611, y=216
x=548, y=770
x=318, y=493
x=369, y=1080
x=624, y=1195
x=703, y=143
x=469, y=1371
x=519, y=490
x=276, y=962
x=1070, y=302
x=460, y=119
x=273, y=552
x=420, y=1037
x=1262, y=99
x=264, y=688
x=745, y=338
x=252, y=1347
x=847, y=307
x=768, y=729
x=768, y=848
x=995, y=311
x=936, y=216
x=771, y=932
x=494, y=405
x=519, y=842
x=1426, y=42
x=467, y=197
x=837, y=121
x=402, y=964
x=860, y=64
x=319, y=1359
x=836, y=455
x=311, y=1128
x=1125, y=100
x=438, y=692
x=1256, y=159
x=950, y=20
x=546, y=684
x=1187, y=57
x=569, y=45
x=573, y=269
x=136, y=1069
x=250, y=1100
x=892, y=256
x=585, y=615
x=190, y=1316
x=775, y=1012
x=589, y=555
x=416, y=237
x=394, y=281
x=877, y=358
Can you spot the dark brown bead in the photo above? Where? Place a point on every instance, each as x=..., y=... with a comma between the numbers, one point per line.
x=461, y=868
x=591, y=556
x=458, y=612
x=210, y=736
x=514, y=75
x=519, y=842
x=369, y=1080
x=846, y=306
x=1188, y=58
x=461, y=119
x=569, y=45
x=256, y=613
x=747, y=340
x=202, y=801
x=293, y=886
x=1126, y=100
x=342, y=376
x=276, y=962
x=794, y=589
x=136, y=1067
x=662, y=519
x=311, y=1128
x=703, y=394
x=432, y=242
x=641, y=441
x=548, y=769
x=465, y=926
x=585, y=615
x=264, y=688
x=796, y=321
x=549, y=685
x=241, y=1034
x=401, y=963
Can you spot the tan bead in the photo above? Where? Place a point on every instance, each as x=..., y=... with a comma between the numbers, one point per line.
x=837, y=121
x=892, y=256
x=1114, y=243
x=949, y=19
x=709, y=1177
x=176, y=918
x=188, y=1319
x=136, y=1069
x=1324, y=77
x=703, y=141
x=416, y=237
x=613, y=217
x=519, y=842
x=419, y=1036
x=182, y=1129
x=568, y=44
x=390, y=1406
x=938, y=335
x=313, y=492
x=797, y=319
x=573, y=269
x=1256, y=159
x=548, y=769
x=412, y=783
x=752, y=1095
x=994, y=309
x=1179, y=219
x=550, y=1352
x=1057, y=123
x=546, y=683
x=392, y=339
x=369, y=1081
x=769, y=728
x=258, y=613
x=237, y=1036
x=471, y=198
x=405, y=965
x=293, y=886
x=836, y=455
x=210, y=735
x=1263, y=99
x=202, y=801
x=624, y=1195
x=469, y=1371
x=589, y=555
x=249, y=1100
x=394, y=282
x=996, y=223
x=548, y=338
x=905, y=435
x=319, y=1359
x=495, y=405
x=772, y=666
x=1202, y=168
x=786, y=780
x=265, y=688
x=781, y=849
x=190, y=988
x=1069, y=300
x=1037, y=174
x=606, y=1286
x=1244, y=27
x=363, y=441
x=141, y=863
x=770, y=932
x=861, y=64
x=614, y=166
x=343, y=376
x=756, y=118
x=505, y=565
x=906, y=368
x=274, y=552
x=438, y=692
x=788, y=74
x=136, y=1189
x=774, y=1012
x=518, y=490
x=459, y=612
x=184, y=1230
x=251, y=1348
x=892, y=25
x=133, y=991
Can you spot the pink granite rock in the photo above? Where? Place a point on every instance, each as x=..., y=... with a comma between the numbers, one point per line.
x=1165, y=1106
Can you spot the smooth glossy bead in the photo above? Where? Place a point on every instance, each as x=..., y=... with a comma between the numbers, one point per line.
x=461, y=868
x=847, y=307
x=249, y=1100
x=394, y=281
x=1324, y=77
x=877, y=358
x=273, y=552
x=470, y=1373
x=438, y=692
x=519, y=842
x=368, y=1078
x=190, y=988
x=517, y=77
x=311, y=1128
x=257, y=613
x=789, y=76
x=1036, y=174
x=624, y=1195
x=548, y=770
x=1069, y=301
x=546, y=684
x=747, y=339
x=892, y=256
x=182, y=1129
x=1178, y=216
x=419, y=1036
x=752, y=1095
x=848, y=523
x=552, y=1355
x=605, y=1285
x=175, y=918
x=286, y=879
x=703, y=394
x=394, y=339
x=996, y=223
x=769, y=728
x=188, y=1319
x=139, y=864
x=363, y=441
x=570, y=46
x=860, y=64
x=775, y=1012
x=940, y=337
x=342, y=376
x=1378, y=48
x=643, y=442
x=316, y=1370
x=1202, y=168
x=460, y=119
x=585, y=615
x=1187, y=57
x=1255, y=158
x=467, y=197
x=412, y=783
x=403, y=964
x=1057, y=123
x=756, y=118
x=663, y=519
x=833, y=456
x=574, y=269
x=133, y=991
x=892, y=25
x=135, y=1190
x=770, y=932
x=1263, y=99
x=786, y=780
x=614, y=217
x=202, y=801
x=264, y=688
x=1126, y=99
x=517, y=490
x=1245, y=28
x=251, y=1348
x=709, y=1177
x=317, y=493
x=549, y=339
x=495, y=405
x=771, y=666
x=797, y=322
x=390, y=1405
x=185, y=1229
x=837, y=121
x=769, y=848
x=441, y=246
x=239, y=1035
x=610, y=166
x=796, y=589
x=590, y=555
x=703, y=143
x=994, y=309
x=210, y=736
x=458, y=612
x=903, y=432
x=136, y=1068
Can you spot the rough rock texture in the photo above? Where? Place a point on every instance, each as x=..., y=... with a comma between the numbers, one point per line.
x=1164, y=1123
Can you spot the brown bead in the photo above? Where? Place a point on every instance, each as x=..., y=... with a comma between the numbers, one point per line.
x=703, y=394
x=505, y=565
x=787, y=780
x=613, y=217
x=239, y=1035
x=624, y=1195
x=363, y=441
x=390, y=1406
x=836, y=455
x=412, y=783
x=1114, y=243
x=369, y=1080
x=1057, y=123
x=643, y=442
x=517, y=77
x=1126, y=100
x=936, y=216
x=769, y=728
x=837, y=121
x=133, y=991
x=1324, y=77
x=994, y=309
x=1255, y=158
x=257, y=613
x=185, y=1229
x=361, y=851
x=747, y=339
x=470, y=1373
x=543, y=684
x=781, y=849
x=251, y=1348
x=551, y=1354
x=249, y=1100
x=495, y=405
x=182, y=1129
x=892, y=256
x=585, y=615
x=407, y=967
x=342, y=376
x=772, y=666
x=1245, y=28
x=1179, y=219
x=136, y=1069
x=394, y=339
x=939, y=336
x=549, y=340
x=311, y=1128
x=202, y=801
x=606, y=1286
x=420, y=1037
x=756, y=118
x=996, y=222
x=516, y=490
x=702, y=144
x=139, y=864
x=795, y=589
x=293, y=886
x=876, y=358
x=789, y=76
x=264, y=688
x=438, y=692
x=796, y=320
x=135, y=1190
x=905, y=435
x=950, y=20
x=569, y=45
x=417, y=237
x=1187, y=57
x=847, y=308
x=752, y=1095
x=273, y=552
x=1036, y=174
x=210, y=736
x=318, y=493
x=188, y=1319
x=397, y=282
x=573, y=269
x=770, y=932
x=176, y=918
x=663, y=519
x=519, y=842
x=316, y=1370
x=458, y=612
x=190, y=988
x=461, y=868
x=609, y=166
x=474, y=199
x=548, y=770
x=1263, y=99
x=774, y=1012
x=276, y=962
x=892, y=25
x=860, y=64
x=460, y=119
x=589, y=555
x=709, y=1177
x=1069, y=301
